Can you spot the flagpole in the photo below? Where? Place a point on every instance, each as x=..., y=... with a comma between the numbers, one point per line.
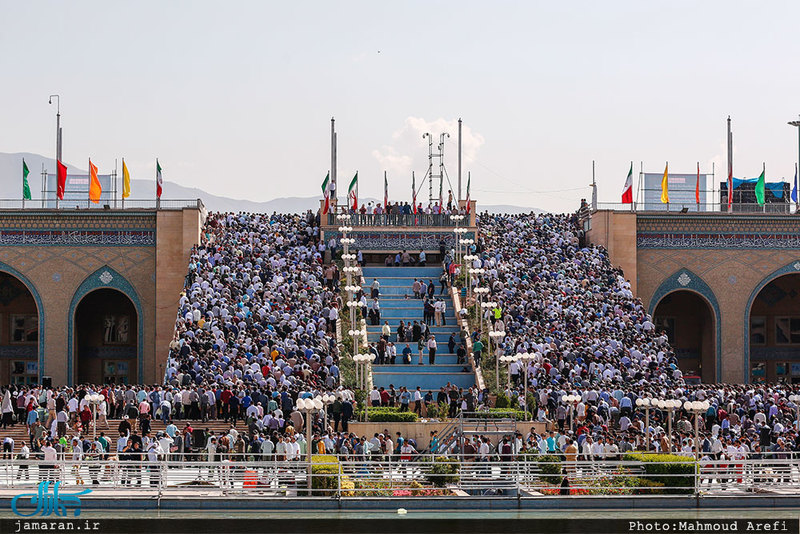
x=764, y=172
x=641, y=175
x=697, y=187
x=123, y=182
x=23, y=183
x=89, y=192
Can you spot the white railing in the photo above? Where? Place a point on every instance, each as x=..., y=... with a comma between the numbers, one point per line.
x=84, y=204
x=390, y=476
x=703, y=207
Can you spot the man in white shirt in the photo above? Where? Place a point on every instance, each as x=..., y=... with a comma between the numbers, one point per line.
x=48, y=466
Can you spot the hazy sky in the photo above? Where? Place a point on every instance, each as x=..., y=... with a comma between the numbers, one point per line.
x=236, y=97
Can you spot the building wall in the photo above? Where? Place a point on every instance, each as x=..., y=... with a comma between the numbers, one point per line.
x=64, y=255
x=616, y=231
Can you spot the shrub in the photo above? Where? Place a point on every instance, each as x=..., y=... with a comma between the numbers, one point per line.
x=325, y=469
x=502, y=401
x=501, y=413
x=672, y=472
x=550, y=466
x=387, y=414
x=443, y=471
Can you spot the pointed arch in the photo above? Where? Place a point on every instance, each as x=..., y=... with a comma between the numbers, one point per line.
x=686, y=280
x=5, y=268
x=105, y=278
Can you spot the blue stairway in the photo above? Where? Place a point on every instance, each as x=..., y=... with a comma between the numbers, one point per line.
x=396, y=283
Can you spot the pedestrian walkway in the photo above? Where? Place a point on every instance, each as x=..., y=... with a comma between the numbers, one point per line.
x=398, y=303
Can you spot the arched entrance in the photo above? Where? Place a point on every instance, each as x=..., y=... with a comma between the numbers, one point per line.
x=774, y=331
x=19, y=332
x=106, y=338
x=688, y=320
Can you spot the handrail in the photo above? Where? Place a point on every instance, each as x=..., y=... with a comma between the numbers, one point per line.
x=49, y=205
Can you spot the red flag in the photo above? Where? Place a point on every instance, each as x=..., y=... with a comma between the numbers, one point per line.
x=697, y=185
x=61, y=179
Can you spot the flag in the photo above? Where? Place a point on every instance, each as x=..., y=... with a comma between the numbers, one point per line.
x=26, y=189
x=469, y=203
x=664, y=186
x=126, y=180
x=627, y=190
x=385, y=192
x=159, y=180
x=413, y=194
x=94, y=183
x=697, y=185
x=326, y=194
x=794, y=188
x=61, y=179
x=352, y=192
x=760, y=186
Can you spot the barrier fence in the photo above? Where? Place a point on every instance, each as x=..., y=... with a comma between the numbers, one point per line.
x=420, y=476
x=84, y=204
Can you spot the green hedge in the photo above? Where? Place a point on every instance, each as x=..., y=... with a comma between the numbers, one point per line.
x=387, y=414
x=550, y=465
x=444, y=471
x=322, y=465
x=675, y=473
x=501, y=413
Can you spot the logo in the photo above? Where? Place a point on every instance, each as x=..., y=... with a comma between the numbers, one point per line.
x=50, y=503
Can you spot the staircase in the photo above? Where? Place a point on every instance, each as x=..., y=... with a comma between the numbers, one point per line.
x=396, y=283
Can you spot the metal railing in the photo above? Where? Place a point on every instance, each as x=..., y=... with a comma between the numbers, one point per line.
x=399, y=476
x=703, y=207
x=84, y=204
x=397, y=219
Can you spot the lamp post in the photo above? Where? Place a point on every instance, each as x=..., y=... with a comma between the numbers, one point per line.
x=94, y=399
x=480, y=307
x=526, y=357
x=507, y=359
x=494, y=338
x=327, y=400
x=696, y=408
x=363, y=361
x=570, y=401
x=796, y=401
x=797, y=125
x=309, y=407
x=467, y=259
x=670, y=405
x=646, y=403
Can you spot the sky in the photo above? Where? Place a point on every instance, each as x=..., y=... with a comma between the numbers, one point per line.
x=236, y=97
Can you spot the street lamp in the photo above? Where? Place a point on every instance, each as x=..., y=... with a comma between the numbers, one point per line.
x=526, y=357
x=327, y=400
x=646, y=403
x=484, y=305
x=364, y=360
x=309, y=407
x=670, y=405
x=570, y=401
x=696, y=408
x=507, y=359
x=797, y=125
x=94, y=399
x=494, y=337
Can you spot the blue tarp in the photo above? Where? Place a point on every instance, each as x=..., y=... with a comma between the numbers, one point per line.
x=775, y=187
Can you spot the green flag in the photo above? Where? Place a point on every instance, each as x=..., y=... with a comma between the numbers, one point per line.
x=760, y=186
x=26, y=189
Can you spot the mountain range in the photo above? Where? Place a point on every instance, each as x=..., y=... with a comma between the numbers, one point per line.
x=11, y=187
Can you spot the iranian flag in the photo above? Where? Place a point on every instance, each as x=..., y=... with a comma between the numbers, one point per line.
x=627, y=190
x=326, y=194
x=159, y=180
x=352, y=192
x=413, y=194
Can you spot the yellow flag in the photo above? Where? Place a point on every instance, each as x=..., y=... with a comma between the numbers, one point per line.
x=94, y=183
x=126, y=180
x=664, y=188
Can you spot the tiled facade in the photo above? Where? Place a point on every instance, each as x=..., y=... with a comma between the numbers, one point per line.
x=726, y=259
x=61, y=256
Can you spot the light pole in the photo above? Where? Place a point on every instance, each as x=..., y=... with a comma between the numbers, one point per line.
x=797, y=125
x=94, y=399
x=796, y=401
x=365, y=360
x=670, y=405
x=696, y=408
x=457, y=231
x=468, y=258
x=507, y=359
x=309, y=407
x=570, y=401
x=58, y=134
x=646, y=403
x=526, y=357
x=327, y=400
x=494, y=338
x=479, y=304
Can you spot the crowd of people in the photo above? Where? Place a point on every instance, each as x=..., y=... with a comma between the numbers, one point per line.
x=256, y=330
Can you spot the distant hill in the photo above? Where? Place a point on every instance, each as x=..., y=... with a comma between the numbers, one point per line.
x=11, y=187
